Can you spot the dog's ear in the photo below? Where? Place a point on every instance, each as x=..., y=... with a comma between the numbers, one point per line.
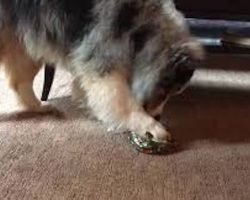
x=195, y=49
x=169, y=5
x=176, y=22
x=170, y=11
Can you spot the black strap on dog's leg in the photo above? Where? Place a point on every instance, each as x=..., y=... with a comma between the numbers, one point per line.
x=49, y=74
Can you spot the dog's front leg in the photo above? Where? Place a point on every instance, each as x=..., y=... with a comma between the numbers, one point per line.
x=112, y=102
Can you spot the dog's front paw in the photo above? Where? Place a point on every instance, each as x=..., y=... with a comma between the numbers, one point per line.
x=143, y=125
x=41, y=108
x=47, y=108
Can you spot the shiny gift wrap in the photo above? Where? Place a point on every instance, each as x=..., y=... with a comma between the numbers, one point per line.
x=148, y=146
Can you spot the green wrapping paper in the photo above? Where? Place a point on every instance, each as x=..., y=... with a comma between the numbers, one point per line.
x=148, y=146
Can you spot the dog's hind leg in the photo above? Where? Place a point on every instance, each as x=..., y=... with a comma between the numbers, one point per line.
x=21, y=71
x=111, y=100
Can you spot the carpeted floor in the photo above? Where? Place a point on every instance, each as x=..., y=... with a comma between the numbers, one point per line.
x=71, y=157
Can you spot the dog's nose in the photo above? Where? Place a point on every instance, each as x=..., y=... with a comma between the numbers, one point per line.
x=183, y=75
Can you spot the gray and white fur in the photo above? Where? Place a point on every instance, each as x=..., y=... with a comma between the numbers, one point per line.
x=127, y=56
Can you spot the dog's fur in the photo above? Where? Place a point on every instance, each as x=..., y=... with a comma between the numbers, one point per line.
x=126, y=55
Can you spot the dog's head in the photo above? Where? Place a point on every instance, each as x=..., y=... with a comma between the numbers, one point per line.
x=173, y=76
x=180, y=67
x=167, y=61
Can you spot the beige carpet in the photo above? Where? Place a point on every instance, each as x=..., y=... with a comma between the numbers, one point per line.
x=70, y=157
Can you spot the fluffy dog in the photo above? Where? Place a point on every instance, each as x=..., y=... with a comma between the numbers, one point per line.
x=127, y=56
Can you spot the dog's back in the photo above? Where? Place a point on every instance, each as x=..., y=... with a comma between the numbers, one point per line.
x=99, y=27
